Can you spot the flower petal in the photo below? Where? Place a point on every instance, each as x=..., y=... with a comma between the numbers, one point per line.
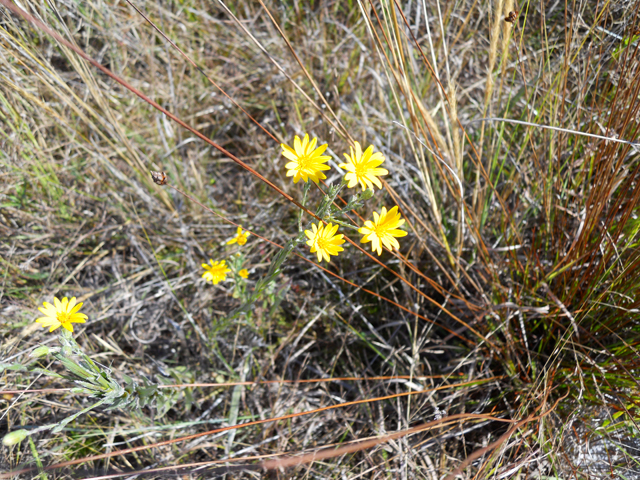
x=47, y=321
x=72, y=303
x=358, y=154
x=374, y=180
x=76, y=308
x=290, y=156
x=398, y=233
x=48, y=309
x=312, y=146
x=287, y=148
x=320, y=150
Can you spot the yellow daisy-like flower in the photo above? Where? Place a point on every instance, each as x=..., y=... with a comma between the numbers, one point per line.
x=307, y=161
x=215, y=273
x=362, y=167
x=382, y=230
x=240, y=238
x=61, y=313
x=324, y=241
x=244, y=273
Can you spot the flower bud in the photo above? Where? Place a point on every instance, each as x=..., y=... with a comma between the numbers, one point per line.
x=14, y=438
x=41, y=351
x=367, y=194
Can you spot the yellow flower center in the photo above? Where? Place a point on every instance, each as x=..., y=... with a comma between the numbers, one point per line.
x=382, y=228
x=63, y=317
x=322, y=244
x=360, y=169
x=304, y=162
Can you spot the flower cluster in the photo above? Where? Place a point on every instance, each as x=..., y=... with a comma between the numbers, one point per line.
x=306, y=161
x=64, y=313
x=216, y=272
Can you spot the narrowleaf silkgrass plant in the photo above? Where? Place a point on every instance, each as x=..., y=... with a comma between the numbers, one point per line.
x=307, y=163
x=92, y=380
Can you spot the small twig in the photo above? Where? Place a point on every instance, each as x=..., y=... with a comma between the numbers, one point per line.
x=563, y=308
x=259, y=382
x=558, y=129
x=261, y=422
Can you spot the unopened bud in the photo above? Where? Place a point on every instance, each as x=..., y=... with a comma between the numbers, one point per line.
x=14, y=438
x=41, y=351
x=367, y=194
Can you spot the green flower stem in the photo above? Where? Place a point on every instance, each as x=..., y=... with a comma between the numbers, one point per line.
x=270, y=276
x=342, y=224
x=305, y=191
x=324, y=211
x=57, y=428
x=329, y=198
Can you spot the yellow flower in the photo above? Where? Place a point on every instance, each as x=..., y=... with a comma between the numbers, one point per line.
x=307, y=161
x=240, y=238
x=324, y=241
x=382, y=230
x=362, y=167
x=63, y=313
x=244, y=273
x=215, y=273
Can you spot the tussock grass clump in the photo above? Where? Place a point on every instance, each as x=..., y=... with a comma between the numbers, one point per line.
x=150, y=167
